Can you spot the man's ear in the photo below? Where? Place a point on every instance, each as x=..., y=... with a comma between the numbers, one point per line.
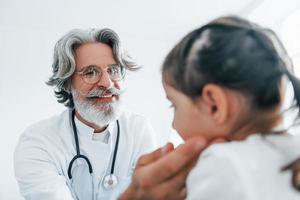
x=217, y=101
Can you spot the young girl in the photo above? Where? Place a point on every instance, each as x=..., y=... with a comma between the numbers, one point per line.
x=227, y=79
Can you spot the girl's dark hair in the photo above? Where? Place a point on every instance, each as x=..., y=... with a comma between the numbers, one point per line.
x=237, y=54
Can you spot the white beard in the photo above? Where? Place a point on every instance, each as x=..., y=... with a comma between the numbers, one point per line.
x=98, y=114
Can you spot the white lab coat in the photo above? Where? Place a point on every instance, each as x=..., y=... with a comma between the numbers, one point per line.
x=45, y=150
x=246, y=170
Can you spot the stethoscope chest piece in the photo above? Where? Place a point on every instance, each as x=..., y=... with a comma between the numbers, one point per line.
x=110, y=181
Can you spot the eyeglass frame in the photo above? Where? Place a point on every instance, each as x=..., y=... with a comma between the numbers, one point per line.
x=81, y=72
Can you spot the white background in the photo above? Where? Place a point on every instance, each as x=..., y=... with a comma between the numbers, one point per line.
x=148, y=29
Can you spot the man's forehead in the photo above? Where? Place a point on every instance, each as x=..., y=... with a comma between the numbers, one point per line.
x=98, y=54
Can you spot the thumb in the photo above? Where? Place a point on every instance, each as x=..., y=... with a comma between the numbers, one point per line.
x=155, y=155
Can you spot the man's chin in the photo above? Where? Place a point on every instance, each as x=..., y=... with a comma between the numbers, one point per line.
x=101, y=116
x=104, y=108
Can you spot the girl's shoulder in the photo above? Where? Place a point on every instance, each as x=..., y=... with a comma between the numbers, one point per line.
x=254, y=155
x=248, y=169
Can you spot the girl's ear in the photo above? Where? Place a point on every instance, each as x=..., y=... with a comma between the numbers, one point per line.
x=217, y=102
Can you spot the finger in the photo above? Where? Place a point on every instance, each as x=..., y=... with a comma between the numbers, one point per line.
x=183, y=193
x=175, y=161
x=167, y=148
x=218, y=141
x=155, y=155
x=174, y=188
x=150, y=157
x=178, y=180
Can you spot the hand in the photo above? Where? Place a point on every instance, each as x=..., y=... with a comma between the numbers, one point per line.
x=162, y=173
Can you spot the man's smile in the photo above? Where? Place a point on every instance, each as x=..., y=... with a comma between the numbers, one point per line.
x=107, y=98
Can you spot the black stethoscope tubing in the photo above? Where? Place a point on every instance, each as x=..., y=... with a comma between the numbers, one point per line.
x=79, y=155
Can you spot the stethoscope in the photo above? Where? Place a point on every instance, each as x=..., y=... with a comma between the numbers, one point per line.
x=110, y=180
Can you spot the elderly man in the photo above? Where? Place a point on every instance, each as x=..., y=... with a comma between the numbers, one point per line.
x=90, y=151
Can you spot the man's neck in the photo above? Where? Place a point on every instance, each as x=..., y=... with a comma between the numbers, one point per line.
x=97, y=129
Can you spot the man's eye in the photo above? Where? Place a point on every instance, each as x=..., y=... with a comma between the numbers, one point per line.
x=91, y=72
x=113, y=70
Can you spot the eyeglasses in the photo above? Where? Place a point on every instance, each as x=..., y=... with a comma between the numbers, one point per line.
x=92, y=74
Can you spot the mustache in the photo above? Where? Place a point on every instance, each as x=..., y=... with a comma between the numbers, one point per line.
x=103, y=92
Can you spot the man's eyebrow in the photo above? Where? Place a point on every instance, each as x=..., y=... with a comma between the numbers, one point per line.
x=94, y=65
x=112, y=64
x=82, y=68
x=88, y=66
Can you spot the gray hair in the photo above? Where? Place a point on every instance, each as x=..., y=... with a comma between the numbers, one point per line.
x=64, y=62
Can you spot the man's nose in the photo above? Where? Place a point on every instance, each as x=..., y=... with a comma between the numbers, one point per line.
x=105, y=81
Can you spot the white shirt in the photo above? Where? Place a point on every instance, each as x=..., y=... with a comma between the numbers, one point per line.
x=45, y=150
x=246, y=170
